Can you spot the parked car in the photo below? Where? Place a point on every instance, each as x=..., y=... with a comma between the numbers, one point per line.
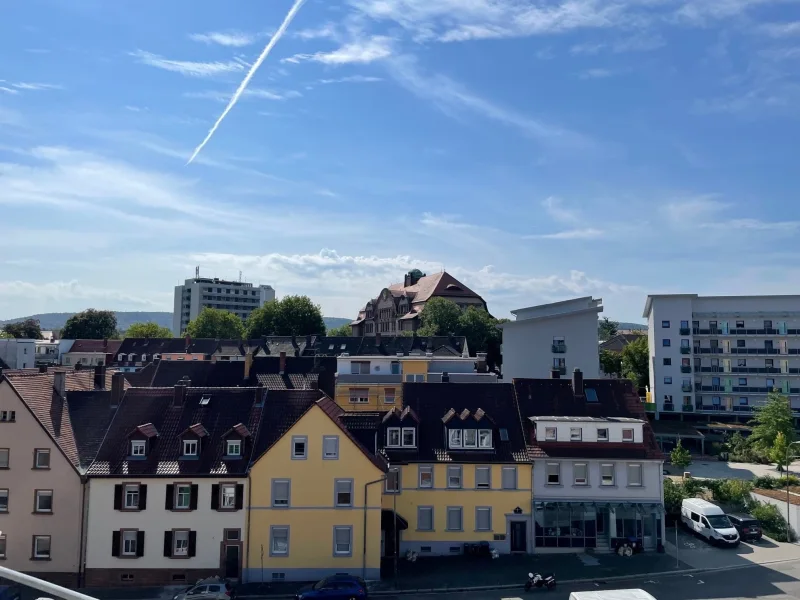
x=206, y=589
x=748, y=526
x=709, y=521
x=336, y=587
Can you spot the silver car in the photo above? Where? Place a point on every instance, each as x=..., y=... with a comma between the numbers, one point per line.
x=206, y=590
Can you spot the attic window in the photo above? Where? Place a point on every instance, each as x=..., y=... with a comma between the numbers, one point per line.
x=330, y=347
x=343, y=347
x=503, y=434
x=205, y=400
x=234, y=448
x=138, y=448
x=591, y=395
x=471, y=438
x=190, y=447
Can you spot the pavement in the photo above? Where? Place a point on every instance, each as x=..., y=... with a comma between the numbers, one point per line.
x=716, y=469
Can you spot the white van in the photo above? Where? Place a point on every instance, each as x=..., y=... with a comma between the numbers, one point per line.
x=708, y=520
x=612, y=595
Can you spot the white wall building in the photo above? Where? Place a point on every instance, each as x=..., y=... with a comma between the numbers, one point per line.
x=234, y=296
x=721, y=355
x=18, y=353
x=561, y=335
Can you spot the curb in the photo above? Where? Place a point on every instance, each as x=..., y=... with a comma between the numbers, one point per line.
x=487, y=588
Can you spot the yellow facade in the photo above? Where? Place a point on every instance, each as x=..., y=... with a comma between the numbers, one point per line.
x=311, y=516
x=379, y=396
x=414, y=366
x=440, y=540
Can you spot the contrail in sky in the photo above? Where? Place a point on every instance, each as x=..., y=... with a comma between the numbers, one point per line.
x=242, y=86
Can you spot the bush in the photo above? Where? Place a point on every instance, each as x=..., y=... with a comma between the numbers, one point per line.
x=735, y=493
x=767, y=482
x=772, y=521
x=674, y=494
x=694, y=487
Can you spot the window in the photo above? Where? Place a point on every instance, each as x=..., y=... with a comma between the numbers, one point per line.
x=580, y=473
x=684, y=343
x=684, y=324
x=359, y=396
x=470, y=438
x=129, y=545
x=43, y=501
x=454, y=518
x=393, y=437
x=415, y=378
x=424, y=518
x=575, y=434
x=180, y=543
x=553, y=471
x=634, y=475
x=667, y=362
x=667, y=380
x=627, y=435
x=233, y=448
x=190, y=447
x=483, y=478
x=343, y=541
x=138, y=447
x=743, y=401
x=741, y=362
x=665, y=324
x=359, y=367
x=41, y=546
x=389, y=396
x=299, y=447
x=409, y=437
x=742, y=380
x=4, y=456
x=602, y=434
x=767, y=324
x=770, y=384
x=454, y=477
x=425, y=477
x=665, y=342
x=228, y=496
x=739, y=324
x=550, y=434
x=3, y=501
x=485, y=438
x=8, y=416
x=280, y=493
x=392, y=484
x=183, y=496
x=2, y=546
x=41, y=459
x=330, y=447
x=455, y=438
x=740, y=343
x=509, y=478
x=279, y=540
x=483, y=518
x=344, y=492
x=607, y=474
x=131, y=497
x=396, y=367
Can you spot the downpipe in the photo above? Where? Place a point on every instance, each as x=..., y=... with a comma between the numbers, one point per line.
x=364, y=532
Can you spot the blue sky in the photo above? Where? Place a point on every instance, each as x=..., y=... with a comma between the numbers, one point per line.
x=536, y=149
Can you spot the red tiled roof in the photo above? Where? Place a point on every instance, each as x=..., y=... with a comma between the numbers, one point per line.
x=335, y=412
x=102, y=346
x=438, y=284
x=148, y=430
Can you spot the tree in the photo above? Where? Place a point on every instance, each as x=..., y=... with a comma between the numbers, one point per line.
x=90, y=324
x=216, y=323
x=607, y=329
x=4, y=335
x=148, y=330
x=611, y=362
x=439, y=317
x=772, y=418
x=636, y=361
x=298, y=315
x=480, y=329
x=28, y=329
x=674, y=495
x=680, y=456
x=341, y=331
x=261, y=322
x=779, y=452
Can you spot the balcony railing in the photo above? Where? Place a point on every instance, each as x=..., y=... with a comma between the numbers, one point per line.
x=685, y=331
x=688, y=408
x=650, y=406
x=559, y=348
x=15, y=585
x=668, y=407
x=686, y=387
x=685, y=369
x=686, y=350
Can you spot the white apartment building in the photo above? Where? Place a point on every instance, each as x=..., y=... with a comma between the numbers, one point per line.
x=721, y=355
x=561, y=336
x=234, y=296
x=18, y=353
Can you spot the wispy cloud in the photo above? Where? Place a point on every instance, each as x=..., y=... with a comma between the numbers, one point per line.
x=326, y=31
x=262, y=94
x=557, y=211
x=780, y=30
x=235, y=39
x=596, y=73
x=37, y=86
x=37, y=50
x=351, y=79
x=362, y=51
x=135, y=109
x=189, y=68
x=707, y=212
x=571, y=234
x=8, y=90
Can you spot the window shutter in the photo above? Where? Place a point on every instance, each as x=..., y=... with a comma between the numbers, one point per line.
x=168, y=544
x=215, y=497
x=116, y=542
x=239, y=496
x=118, y=497
x=192, y=543
x=170, y=499
x=140, y=543
x=193, y=499
x=142, y=497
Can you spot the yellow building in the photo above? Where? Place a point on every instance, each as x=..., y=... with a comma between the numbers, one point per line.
x=315, y=499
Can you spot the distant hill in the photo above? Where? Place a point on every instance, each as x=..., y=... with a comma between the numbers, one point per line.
x=51, y=321
x=638, y=326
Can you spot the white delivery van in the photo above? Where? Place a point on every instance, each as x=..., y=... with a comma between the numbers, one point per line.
x=612, y=595
x=708, y=520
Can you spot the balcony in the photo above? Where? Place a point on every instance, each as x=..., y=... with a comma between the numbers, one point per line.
x=668, y=407
x=685, y=331
x=685, y=369
x=686, y=350
x=649, y=406
x=559, y=348
x=686, y=387
x=712, y=370
x=743, y=408
x=688, y=408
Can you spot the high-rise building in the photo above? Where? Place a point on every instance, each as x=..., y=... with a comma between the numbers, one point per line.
x=234, y=296
x=721, y=355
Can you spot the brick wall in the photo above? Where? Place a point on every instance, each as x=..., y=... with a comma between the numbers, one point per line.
x=112, y=578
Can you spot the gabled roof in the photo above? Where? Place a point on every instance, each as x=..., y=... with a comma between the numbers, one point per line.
x=282, y=409
x=301, y=373
x=335, y=412
x=201, y=373
x=618, y=342
x=228, y=407
x=98, y=346
x=438, y=284
x=390, y=345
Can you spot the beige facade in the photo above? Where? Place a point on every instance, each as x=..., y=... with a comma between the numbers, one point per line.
x=41, y=523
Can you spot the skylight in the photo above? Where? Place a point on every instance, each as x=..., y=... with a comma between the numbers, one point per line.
x=205, y=400
x=591, y=395
x=503, y=434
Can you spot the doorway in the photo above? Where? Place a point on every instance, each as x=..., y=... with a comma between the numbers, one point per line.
x=519, y=536
x=232, y=561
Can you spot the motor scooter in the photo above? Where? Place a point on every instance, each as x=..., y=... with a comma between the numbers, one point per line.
x=537, y=580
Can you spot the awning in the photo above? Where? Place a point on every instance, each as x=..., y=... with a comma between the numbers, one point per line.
x=387, y=520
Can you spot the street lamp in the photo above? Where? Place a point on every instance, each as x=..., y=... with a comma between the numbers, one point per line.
x=788, y=504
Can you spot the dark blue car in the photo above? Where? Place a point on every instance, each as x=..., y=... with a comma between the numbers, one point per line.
x=336, y=587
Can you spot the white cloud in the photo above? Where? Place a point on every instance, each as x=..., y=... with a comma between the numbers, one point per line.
x=36, y=86
x=326, y=31
x=363, y=51
x=235, y=39
x=189, y=68
x=779, y=30
x=692, y=210
x=706, y=212
x=55, y=292
x=351, y=79
x=571, y=234
x=596, y=74
x=8, y=90
x=136, y=109
x=557, y=211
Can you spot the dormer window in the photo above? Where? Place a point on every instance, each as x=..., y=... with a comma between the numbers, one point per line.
x=393, y=437
x=455, y=438
x=409, y=437
x=138, y=448
x=602, y=435
x=550, y=434
x=190, y=447
x=401, y=437
x=575, y=434
x=144, y=357
x=471, y=438
x=234, y=448
x=627, y=435
x=484, y=438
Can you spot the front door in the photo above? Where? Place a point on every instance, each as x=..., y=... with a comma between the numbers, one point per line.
x=519, y=541
x=232, y=562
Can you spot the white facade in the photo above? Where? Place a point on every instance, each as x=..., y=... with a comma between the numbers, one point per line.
x=210, y=526
x=722, y=354
x=18, y=353
x=630, y=480
x=234, y=296
x=562, y=335
x=612, y=430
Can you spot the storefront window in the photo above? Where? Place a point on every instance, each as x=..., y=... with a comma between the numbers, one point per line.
x=565, y=525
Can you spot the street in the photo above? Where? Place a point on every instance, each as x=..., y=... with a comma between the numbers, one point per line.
x=778, y=581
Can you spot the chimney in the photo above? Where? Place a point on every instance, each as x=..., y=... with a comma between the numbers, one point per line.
x=577, y=383
x=294, y=344
x=282, y=370
x=555, y=374
x=117, y=387
x=407, y=280
x=480, y=362
x=248, y=364
x=60, y=383
x=100, y=377
x=377, y=338
x=188, y=342
x=445, y=377
x=179, y=396
x=314, y=383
